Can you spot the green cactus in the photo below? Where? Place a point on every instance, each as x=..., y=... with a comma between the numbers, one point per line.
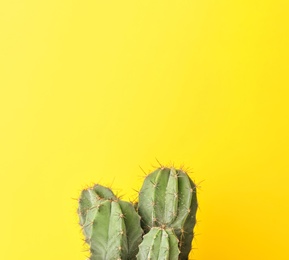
x=167, y=207
x=111, y=226
x=159, y=244
x=168, y=199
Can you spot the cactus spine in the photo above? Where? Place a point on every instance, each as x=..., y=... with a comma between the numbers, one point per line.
x=111, y=226
x=168, y=200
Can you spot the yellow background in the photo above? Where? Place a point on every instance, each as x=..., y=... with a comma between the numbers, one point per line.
x=92, y=90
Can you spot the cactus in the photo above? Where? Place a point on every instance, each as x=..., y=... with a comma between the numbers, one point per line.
x=159, y=244
x=167, y=207
x=168, y=199
x=111, y=226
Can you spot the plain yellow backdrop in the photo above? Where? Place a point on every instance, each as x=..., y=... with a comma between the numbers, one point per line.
x=90, y=91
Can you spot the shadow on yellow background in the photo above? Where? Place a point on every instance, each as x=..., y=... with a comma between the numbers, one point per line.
x=91, y=90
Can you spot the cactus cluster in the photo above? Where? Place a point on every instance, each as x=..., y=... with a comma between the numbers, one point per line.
x=160, y=226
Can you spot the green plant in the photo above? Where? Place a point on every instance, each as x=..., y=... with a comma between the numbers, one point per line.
x=111, y=226
x=163, y=229
x=168, y=199
x=159, y=243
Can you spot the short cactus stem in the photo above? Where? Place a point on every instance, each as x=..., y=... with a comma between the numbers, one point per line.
x=168, y=199
x=159, y=244
x=111, y=226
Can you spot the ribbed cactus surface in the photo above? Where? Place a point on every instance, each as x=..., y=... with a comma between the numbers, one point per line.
x=111, y=226
x=168, y=199
x=159, y=244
